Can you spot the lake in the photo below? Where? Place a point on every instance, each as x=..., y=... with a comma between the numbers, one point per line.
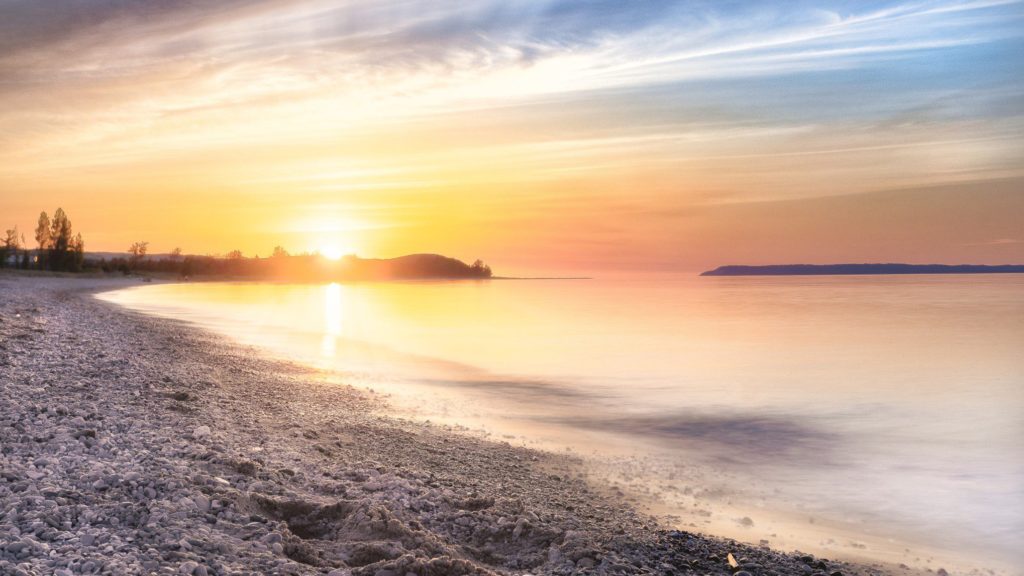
x=856, y=416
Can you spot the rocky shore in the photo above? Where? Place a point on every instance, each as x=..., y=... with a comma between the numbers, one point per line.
x=132, y=445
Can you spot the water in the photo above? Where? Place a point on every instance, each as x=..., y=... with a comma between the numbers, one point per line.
x=878, y=417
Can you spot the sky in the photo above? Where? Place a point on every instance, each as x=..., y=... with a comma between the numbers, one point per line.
x=538, y=135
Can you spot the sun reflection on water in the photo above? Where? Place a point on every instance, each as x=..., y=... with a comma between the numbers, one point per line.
x=332, y=320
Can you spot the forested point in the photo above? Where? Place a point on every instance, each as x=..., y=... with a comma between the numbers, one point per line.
x=57, y=249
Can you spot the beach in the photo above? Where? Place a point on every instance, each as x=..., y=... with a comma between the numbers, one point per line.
x=135, y=445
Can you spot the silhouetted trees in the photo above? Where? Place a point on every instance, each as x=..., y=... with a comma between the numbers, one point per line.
x=299, y=267
x=61, y=249
x=480, y=269
x=58, y=249
x=9, y=247
x=61, y=257
x=43, y=238
x=138, y=252
x=77, y=253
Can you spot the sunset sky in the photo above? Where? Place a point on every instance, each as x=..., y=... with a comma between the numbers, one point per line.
x=537, y=135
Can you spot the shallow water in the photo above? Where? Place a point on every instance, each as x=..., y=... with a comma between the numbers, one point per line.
x=885, y=410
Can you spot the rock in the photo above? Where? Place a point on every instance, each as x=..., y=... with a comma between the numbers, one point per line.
x=585, y=563
x=16, y=547
x=521, y=526
x=201, y=432
x=201, y=502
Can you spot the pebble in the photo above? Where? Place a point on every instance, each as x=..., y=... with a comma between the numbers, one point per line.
x=103, y=472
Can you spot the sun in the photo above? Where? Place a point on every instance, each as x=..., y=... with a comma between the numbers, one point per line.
x=333, y=251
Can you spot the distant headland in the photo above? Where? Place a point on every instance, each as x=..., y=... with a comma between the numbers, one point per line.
x=57, y=249
x=853, y=269
x=312, y=267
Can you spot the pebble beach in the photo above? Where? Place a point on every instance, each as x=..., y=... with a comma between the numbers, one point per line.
x=137, y=445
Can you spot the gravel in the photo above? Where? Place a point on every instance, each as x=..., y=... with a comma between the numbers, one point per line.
x=133, y=445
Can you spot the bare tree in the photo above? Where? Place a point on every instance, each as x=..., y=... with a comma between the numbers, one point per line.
x=279, y=252
x=138, y=252
x=234, y=255
x=11, y=245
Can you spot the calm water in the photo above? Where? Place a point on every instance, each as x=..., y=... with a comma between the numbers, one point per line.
x=859, y=415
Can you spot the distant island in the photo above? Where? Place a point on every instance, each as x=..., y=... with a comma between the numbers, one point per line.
x=851, y=269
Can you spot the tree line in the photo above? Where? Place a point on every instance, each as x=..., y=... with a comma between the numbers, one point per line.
x=282, y=265
x=58, y=249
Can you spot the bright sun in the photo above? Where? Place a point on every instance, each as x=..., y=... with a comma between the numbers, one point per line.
x=333, y=251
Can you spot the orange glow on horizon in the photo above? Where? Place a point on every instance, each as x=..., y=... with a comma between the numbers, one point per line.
x=334, y=251
x=639, y=150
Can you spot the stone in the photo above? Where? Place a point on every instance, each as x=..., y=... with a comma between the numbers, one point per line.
x=586, y=563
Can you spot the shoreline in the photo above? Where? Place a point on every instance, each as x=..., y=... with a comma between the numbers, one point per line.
x=233, y=462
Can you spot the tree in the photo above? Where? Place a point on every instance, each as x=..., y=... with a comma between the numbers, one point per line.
x=279, y=252
x=10, y=246
x=175, y=254
x=138, y=252
x=480, y=269
x=60, y=241
x=11, y=239
x=235, y=255
x=43, y=237
x=77, y=253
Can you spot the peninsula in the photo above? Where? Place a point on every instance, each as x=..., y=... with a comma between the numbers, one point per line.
x=300, y=268
x=863, y=269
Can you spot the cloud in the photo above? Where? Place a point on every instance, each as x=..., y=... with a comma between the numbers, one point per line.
x=624, y=42
x=997, y=242
x=660, y=100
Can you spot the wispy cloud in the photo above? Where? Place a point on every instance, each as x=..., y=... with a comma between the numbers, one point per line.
x=997, y=242
x=385, y=101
